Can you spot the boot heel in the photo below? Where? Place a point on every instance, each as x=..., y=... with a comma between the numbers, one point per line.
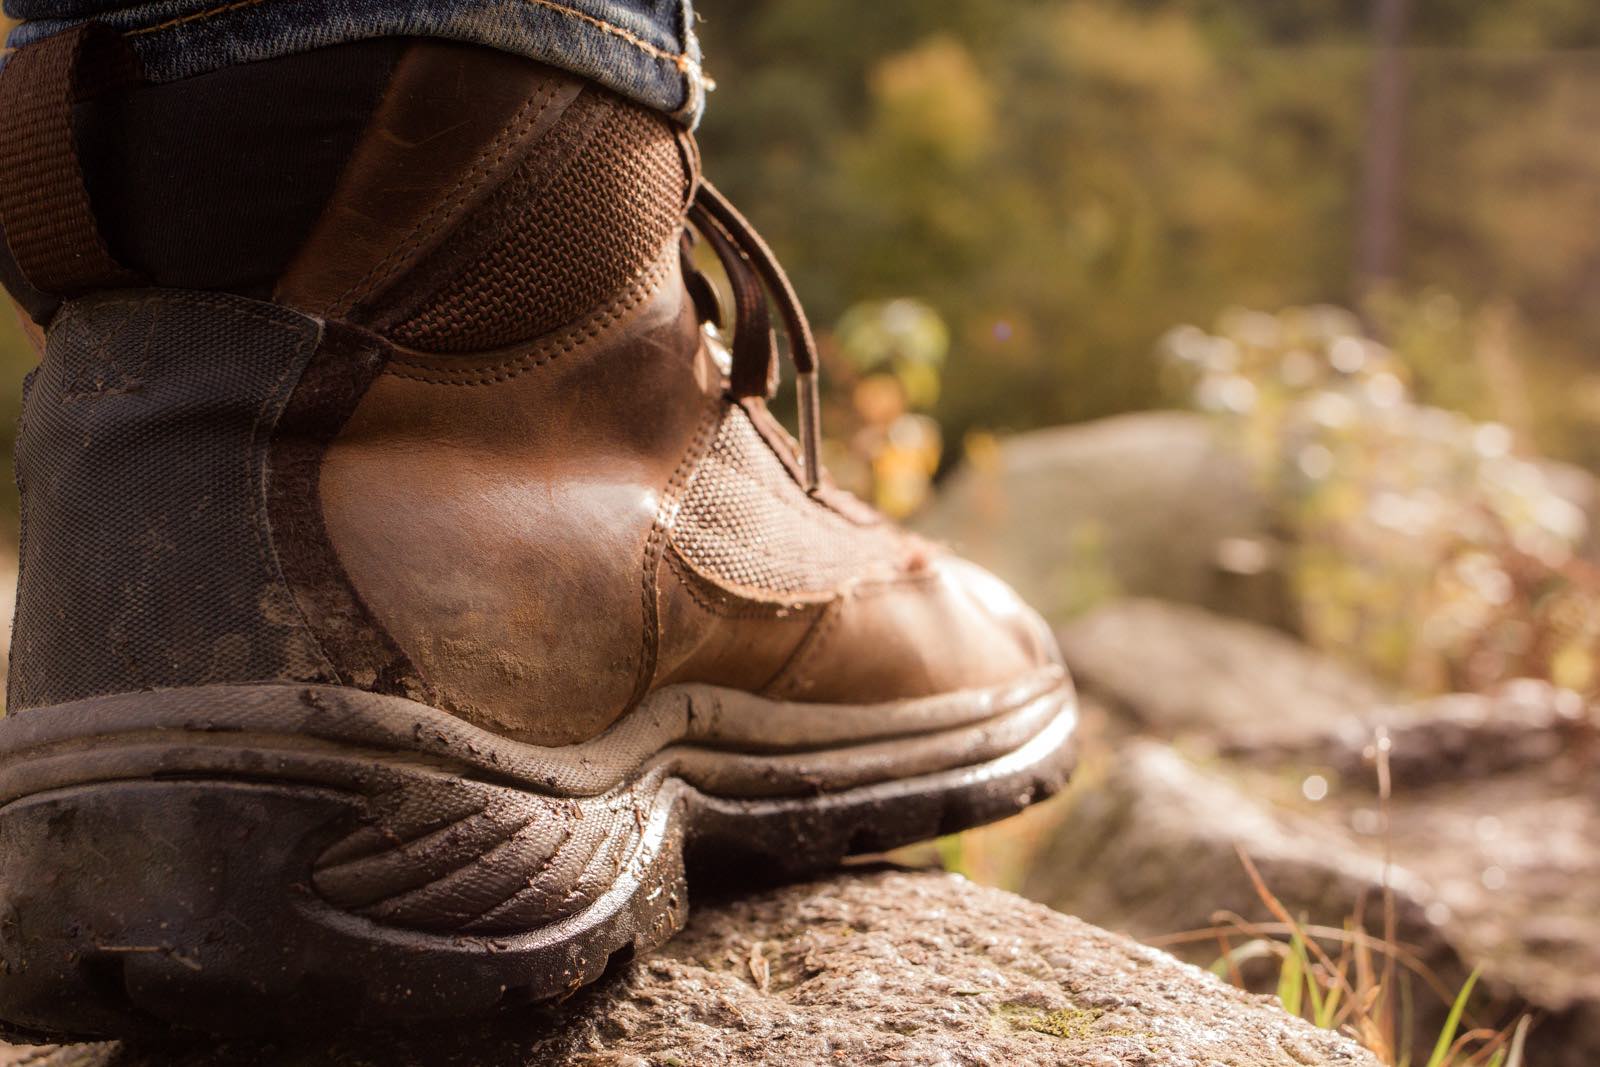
x=239, y=906
x=127, y=900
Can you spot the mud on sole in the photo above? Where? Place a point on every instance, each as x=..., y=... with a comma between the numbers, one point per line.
x=238, y=859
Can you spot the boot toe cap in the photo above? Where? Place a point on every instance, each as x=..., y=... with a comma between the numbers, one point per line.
x=946, y=627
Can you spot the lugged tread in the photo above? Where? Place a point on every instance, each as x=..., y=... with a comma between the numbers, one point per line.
x=133, y=904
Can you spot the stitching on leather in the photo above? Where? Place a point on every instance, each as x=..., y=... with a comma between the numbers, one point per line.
x=543, y=352
x=808, y=646
x=783, y=680
x=708, y=597
x=505, y=142
x=666, y=513
x=714, y=600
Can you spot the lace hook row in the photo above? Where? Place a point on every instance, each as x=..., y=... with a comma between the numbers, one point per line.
x=741, y=248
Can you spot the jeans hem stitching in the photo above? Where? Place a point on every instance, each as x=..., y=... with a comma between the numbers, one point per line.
x=681, y=60
x=197, y=16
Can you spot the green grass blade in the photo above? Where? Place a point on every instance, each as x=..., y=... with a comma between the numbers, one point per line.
x=952, y=851
x=1291, y=981
x=1330, y=1007
x=1298, y=946
x=1452, y=1022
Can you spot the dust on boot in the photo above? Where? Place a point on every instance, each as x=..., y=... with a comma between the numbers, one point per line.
x=410, y=575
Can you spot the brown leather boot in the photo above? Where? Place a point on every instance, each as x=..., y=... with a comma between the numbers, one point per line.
x=385, y=641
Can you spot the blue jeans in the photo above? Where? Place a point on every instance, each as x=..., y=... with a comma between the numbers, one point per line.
x=644, y=49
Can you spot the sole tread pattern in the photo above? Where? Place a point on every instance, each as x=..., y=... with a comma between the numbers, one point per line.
x=243, y=906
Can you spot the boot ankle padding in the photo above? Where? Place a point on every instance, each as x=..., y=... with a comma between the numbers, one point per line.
x=207, y=183
x=214, y=182
x=587, y=210
x=453, y=122
x=491, y=201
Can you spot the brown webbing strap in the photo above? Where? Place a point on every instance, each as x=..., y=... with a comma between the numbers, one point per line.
x=44, y=203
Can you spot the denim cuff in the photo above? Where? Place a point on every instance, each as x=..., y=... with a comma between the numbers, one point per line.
x=643, y=49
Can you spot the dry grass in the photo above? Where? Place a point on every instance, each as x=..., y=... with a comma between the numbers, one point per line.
x=1365, y=989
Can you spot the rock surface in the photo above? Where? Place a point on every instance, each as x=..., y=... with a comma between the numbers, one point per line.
x=884, y=967
x=1151, y=504
x=1492, y=831
x=1175, y=671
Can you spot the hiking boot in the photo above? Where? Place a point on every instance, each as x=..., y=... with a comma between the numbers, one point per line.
x=396, y=618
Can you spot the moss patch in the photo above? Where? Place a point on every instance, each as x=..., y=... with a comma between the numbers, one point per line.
x=1071, y=1024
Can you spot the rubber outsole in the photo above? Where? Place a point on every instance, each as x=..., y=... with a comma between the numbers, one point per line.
x=207, y=879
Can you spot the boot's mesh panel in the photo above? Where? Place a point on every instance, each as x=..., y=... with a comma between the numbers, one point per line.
x=552, y=245
x=746, y=522
x=145, y=556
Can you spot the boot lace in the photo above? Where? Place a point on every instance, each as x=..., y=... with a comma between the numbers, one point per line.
x=755, y=278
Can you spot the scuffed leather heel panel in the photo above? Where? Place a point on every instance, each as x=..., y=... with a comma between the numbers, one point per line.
x=146, y=558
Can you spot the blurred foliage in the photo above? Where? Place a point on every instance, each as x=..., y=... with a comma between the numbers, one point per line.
x=1063, y=181
x=893, y=353
x=1422, y=544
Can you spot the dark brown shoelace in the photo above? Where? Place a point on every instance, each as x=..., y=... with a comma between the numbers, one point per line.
x=755, y=276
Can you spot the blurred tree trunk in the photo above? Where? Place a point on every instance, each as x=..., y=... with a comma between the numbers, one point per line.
x=1378, y=251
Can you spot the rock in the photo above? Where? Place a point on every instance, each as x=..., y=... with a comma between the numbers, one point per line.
x=1151, y=504
x=1138, y=844
x=1177, y=671
x=1492, y=833
x=1249, y=692
x=867, y=968
x=1579, y=488
x=1527, y=724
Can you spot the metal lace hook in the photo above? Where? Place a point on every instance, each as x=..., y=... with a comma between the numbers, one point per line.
x=808, y=393
x=751, y=250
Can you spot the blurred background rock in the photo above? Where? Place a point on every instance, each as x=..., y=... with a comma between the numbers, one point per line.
x=1255, y=342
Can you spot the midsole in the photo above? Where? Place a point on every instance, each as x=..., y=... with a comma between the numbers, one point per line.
x=336, y=736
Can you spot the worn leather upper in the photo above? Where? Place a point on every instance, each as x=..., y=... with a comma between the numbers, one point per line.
x=552, y=530
x=534, y=536
x=515, y=523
